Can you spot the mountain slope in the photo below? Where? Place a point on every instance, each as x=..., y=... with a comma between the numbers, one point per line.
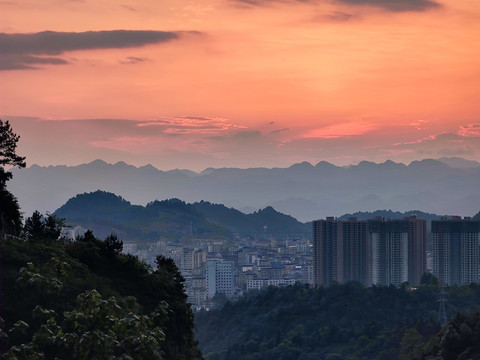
x=105, y=212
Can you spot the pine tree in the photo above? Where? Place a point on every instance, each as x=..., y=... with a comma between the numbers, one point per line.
x=10, y=216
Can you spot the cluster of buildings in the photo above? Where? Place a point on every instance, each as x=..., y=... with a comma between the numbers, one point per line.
x=372, y=252
x=383, y=251
x=231, y=267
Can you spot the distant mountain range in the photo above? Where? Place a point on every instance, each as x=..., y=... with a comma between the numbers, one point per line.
x=305, y=191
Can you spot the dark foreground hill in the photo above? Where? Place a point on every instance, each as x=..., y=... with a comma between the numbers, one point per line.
x=84, y=300
x=174, y=219
x=338, y=322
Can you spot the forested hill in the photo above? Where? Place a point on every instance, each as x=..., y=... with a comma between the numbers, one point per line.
x=85, y=300
x=340, y=322
x=389, y=214
x=105, y=212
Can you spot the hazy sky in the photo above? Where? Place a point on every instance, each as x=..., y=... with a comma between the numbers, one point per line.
x=243, y=83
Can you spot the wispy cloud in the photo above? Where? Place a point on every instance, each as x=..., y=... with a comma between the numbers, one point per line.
x=395, y=5
x=464, y=142
x=340, y=130
x=133, y=60
x=338, y=16
x=191, y=124
x=420, y=124
x=279, y=131
x=471, y=130
x=185, y=140
x=25, y=51
x=266, y=2
x=428, y=138
x=388, y=5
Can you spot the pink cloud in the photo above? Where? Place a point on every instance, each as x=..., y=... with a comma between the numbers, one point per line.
x=340, y=130
x=471, y=130
x=192, y=124
x=420, y=124
x=419, y=141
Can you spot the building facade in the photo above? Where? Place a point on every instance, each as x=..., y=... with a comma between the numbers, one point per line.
x=417, y=249
x=455, y=250
x=354, y=256
x=376, y=251
x=220, y=278
x=325, y=251
x=388, y=251
x=340, y=251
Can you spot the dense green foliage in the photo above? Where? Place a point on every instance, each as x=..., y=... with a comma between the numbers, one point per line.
x=174, y=219
x=85, y=300
x=236, y=221
x=389, y=214
x=460, y=339
x=43, y=228
x=338, y=322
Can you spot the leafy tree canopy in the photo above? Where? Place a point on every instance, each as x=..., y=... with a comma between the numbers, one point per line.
x=343, y=321
x=43, y=228
x=85, y=300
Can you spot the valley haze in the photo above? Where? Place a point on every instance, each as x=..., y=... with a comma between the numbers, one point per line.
x=304, y=191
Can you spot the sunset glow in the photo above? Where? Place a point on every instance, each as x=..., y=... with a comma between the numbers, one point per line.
x=241, y=83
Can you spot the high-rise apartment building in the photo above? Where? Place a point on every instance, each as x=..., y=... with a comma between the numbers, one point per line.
x=388, y=251
x=340, y=251
x=376, y=251
x=325, y=251
x=417, y=249
x=354, y=254
x=455, y=250
x=220, y=277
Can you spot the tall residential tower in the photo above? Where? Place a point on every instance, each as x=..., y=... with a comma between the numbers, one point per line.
x=376, y=251
x=455, y=250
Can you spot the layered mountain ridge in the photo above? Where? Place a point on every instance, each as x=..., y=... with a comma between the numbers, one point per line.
x=305, y=191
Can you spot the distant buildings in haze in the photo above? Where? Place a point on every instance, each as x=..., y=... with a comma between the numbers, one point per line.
x=455, y=248
x=220, y=277
x=380, y=251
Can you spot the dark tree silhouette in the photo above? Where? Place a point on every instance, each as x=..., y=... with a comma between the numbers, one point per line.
x=8, y=155
x=34, y=228
x=113, y=245
x=10, y=217
x=41, y=228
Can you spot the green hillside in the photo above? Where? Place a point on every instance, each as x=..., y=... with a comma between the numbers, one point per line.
x=84, y=300
x=389, y=214
x=105, y=212
x=338, y=322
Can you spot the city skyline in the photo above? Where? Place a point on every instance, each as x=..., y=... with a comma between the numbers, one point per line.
x=185, y=84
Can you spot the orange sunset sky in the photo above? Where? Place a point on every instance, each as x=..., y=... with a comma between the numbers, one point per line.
x=241, y=83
